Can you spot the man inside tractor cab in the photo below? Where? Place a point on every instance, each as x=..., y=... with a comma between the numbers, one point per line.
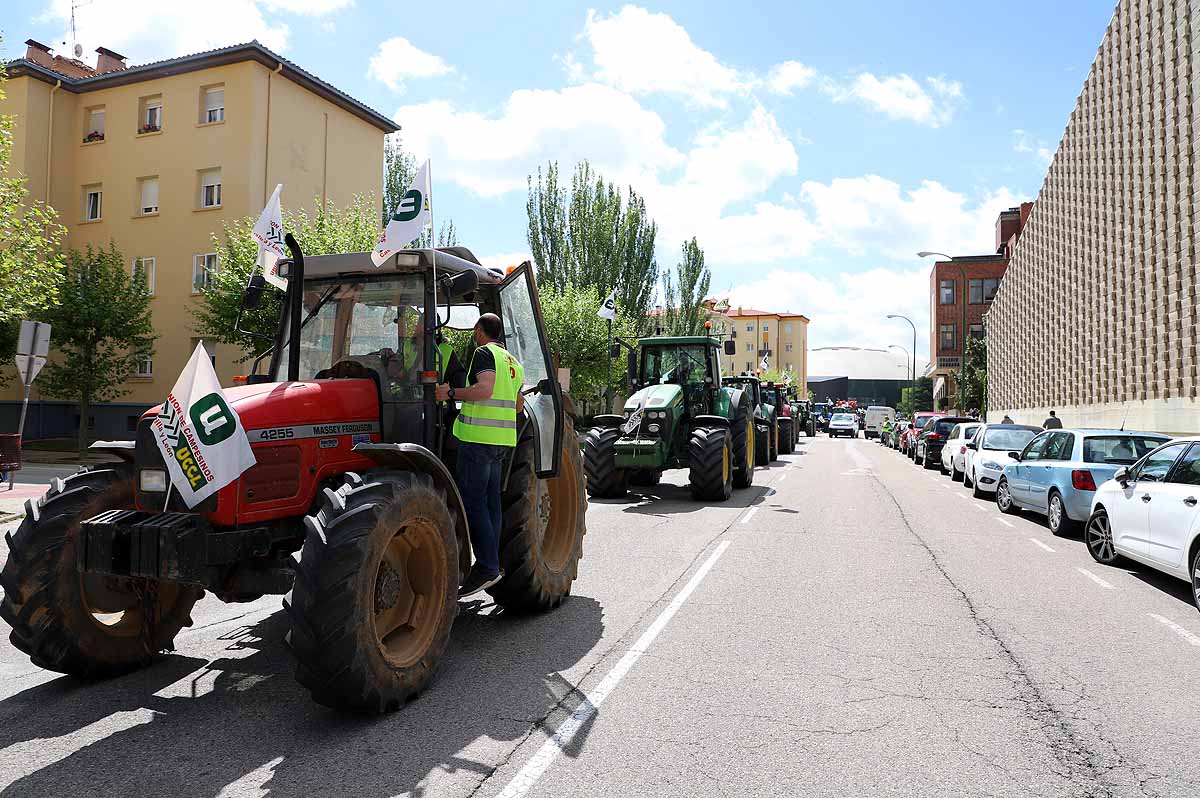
x=487, y=431
x=403, y=365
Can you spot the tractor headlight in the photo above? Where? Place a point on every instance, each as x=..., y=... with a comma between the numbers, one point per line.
x=654, y=427
x=153, y=480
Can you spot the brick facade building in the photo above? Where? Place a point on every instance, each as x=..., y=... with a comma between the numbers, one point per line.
x=1097, y=314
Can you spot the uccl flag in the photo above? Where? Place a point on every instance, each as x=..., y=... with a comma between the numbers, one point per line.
x=412, y=215
x=201, y=436
x=608, y=309
x=268, y=234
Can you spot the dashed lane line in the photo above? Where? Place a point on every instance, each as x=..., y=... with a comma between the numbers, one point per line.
x=979, y=507
x=1177, y=629
x=1096, y=579
x=541, y=761
x=1040, y=544
x=1008, y=524
x=749, y=514
x=782, y=477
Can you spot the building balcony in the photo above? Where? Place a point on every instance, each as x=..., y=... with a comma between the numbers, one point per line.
x=948, y=361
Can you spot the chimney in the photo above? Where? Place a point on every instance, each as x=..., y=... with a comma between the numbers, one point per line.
x=38, y=53
x=108, y=61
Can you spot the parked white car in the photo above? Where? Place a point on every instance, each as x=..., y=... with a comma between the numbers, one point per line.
x=987, y=454
x=843, y=424
x=876, y=415
x=954, y=453
x=1150, y=513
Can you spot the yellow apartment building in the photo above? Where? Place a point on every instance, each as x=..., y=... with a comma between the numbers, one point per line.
x=156, y=157
x=781, y=337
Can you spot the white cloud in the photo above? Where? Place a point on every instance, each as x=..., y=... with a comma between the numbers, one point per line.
x=398, y=60
x=790, y=75
x=1023, y=142
x=902, y=97
x=643, y=52
x=492, y=155
x=151, y=31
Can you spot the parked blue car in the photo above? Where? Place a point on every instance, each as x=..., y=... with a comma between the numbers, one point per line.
x=1057, y=472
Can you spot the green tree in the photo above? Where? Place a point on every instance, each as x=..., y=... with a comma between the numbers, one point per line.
x=683, y=295
x=30, y=237
x=102, y=328
x=399, y=169
x=972, y=376
x=917, y=398
x=546, y=209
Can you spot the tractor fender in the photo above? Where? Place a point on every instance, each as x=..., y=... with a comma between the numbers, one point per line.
x=414, y=457
x=710, y=421
x=122, y=449
x=608, y=420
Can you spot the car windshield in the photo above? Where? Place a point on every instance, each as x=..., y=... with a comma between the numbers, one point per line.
x=843, y=417
x=674, y=364
x=1118, y=448
x=1007, y=440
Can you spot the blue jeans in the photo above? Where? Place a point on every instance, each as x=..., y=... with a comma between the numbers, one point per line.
x=478, y=473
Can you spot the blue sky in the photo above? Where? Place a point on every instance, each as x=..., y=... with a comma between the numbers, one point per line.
x=811, y=147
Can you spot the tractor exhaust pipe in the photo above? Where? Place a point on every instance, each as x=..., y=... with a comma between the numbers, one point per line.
x=295, y=306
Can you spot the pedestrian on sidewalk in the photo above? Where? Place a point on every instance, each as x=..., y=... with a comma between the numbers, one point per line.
x=1007, y=420
x=1052, y=423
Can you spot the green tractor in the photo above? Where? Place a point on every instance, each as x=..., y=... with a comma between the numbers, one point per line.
x=803, y=413
x=789, y=433
x=679, y=416
x=766, y=418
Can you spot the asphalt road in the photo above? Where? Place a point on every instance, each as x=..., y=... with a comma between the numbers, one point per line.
x=850, y=626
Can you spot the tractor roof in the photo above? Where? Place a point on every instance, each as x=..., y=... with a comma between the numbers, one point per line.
x=668, y=340
x=451, y=260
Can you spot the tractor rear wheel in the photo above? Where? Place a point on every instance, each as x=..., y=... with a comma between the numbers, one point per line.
x=544, y=524
x=710, y=461
x=774, y=438
x=742, y=438
x=376, y=592
x=85, y=625
x=604, y=479
x=787, y=438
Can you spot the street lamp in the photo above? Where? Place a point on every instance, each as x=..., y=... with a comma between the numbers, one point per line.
x=912, y=383
x=962, y=332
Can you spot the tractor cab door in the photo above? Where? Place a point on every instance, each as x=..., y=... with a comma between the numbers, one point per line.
x=525, y=338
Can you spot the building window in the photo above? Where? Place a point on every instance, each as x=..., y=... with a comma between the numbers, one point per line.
x=203, y=268
x=145, y=367
x=749, y=328
x=93, y=124
x=984, y=290
x=747, y=365
x=976, y=331
x=946, y=337
x=765, y=326
x=946, y=292
x=93, y=203
x=150, y=114
x=210, y=188
x=147, y=195
x=143, y=268
x=749, y=346
x=209, y=348
x=787, y=347
x=787, y=329
x=212, y=104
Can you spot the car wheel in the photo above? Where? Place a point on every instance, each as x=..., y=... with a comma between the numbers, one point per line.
x=1098, y=537
x=1004, y=499
x=1056, y=516
x=956, y=475
x=1196, y=578
x=966, y=480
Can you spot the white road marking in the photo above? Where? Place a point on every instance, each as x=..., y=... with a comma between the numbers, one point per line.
x=860, y=460
x=979, y=507
x=750, y=514
x=541, y=761
x=1177, y=629
x=782, y=477
x=1042, y=545
x=1008, y=524
x=1096, y=579
x=962, y=496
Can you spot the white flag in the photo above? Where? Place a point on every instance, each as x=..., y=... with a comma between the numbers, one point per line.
x=201, y=436
x=412, y=215
x=608, y=310
x=635, y=418
x=764, y=365
x=268, y=234
x=787, y=378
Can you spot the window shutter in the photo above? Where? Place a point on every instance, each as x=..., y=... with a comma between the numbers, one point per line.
x=212, y=178
x=96, y=121
x=149, y=194
x=214, y=99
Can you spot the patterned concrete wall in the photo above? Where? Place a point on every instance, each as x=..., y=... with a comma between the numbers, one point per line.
x=1096, y=316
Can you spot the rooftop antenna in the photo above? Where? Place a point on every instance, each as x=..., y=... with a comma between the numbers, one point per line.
x=1125, y=416
x=76, y=47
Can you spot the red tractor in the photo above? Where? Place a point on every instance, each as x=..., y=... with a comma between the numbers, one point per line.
x=354, y=473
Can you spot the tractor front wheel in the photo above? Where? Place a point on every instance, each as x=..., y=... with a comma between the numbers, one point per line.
x=604, y=479
x=762, y=444
x=742, y=436
x=774, y=439
x=787, y=438
x=85, y=625
x=376, y=592
x=710, y=458
x=541, y=543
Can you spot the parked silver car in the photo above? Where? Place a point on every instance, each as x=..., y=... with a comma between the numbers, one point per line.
x=987, y=454
x=1057, y=473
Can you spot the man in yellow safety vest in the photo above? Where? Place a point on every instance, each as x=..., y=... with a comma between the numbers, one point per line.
x=487, y=430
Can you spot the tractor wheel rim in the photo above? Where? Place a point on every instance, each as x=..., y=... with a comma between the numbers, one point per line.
x=561, y=521
x=1099, y=539
x=409, y=592
x=750, y=436
x=725, y=463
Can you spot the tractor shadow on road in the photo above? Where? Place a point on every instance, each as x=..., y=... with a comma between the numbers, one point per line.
x=668, y=499
x=244, y=719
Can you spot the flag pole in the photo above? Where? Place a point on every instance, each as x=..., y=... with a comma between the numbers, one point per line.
x=608, y=391
x=432, y=232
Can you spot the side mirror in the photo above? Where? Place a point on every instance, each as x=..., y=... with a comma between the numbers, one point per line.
x=1015, y=455
x=730, y=348
x=631, y=369
x=459, y=284
x=614, y=350
x=1122, y=476
x=972, y=446
x=252, y=296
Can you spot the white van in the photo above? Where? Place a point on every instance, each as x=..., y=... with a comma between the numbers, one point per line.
x=876, y=415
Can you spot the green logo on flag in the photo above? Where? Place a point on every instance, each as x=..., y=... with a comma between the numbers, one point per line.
x=410, y=206
x=212, y=419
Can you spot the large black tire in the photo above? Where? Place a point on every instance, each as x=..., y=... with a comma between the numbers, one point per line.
x=743, y=439
x=775, y=433
x=787, y=437
x=710, y=464
x=377, y=547
x=811, y=429
x=762, y=445
x=604, y=479
x=53, y=609
x=542, y=539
